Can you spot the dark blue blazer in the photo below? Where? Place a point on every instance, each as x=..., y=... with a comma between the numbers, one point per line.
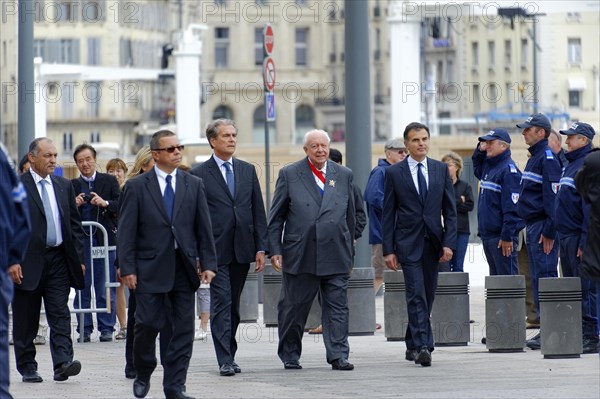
x=239, y=224
x=406, y=220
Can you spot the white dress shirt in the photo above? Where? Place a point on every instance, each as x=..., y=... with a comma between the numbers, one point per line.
x=414, y=169
x=53, y=203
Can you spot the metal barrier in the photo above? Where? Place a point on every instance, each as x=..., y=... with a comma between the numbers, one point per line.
x=96, y=253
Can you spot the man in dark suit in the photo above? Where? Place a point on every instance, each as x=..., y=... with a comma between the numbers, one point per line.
x=165, y=248
x=313, y=210
x=15, y=229
x=53, y=264
x=240, y=231
x=97, y=201
x=418, y=193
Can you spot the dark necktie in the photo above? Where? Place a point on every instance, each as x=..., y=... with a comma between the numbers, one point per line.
x=229, y=178
x=50, y=226
x=169, y=197
x=422, y=183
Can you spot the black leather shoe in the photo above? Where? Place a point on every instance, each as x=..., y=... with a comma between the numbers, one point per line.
x=410, y=355
x=292, y=365
x=236, y=368
x=130, y=372
x=342, y=364
x=535, y=342
x=32, y=376
x=140, y=388
x=590, y=345
x=66, y=370
x=423, y=357
x=226, y=370
x=178, y=395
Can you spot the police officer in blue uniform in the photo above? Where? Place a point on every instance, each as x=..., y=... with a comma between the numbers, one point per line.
x=497, y=219
x=572, y=216
x=14, y=237
x=539, y=185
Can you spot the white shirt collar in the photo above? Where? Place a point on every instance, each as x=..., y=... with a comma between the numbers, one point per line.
x=220, y=161
x=37, y=178
x=163, y=175
x=89, y=179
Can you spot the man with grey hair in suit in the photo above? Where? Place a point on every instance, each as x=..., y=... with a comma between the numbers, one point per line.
x=311, y=229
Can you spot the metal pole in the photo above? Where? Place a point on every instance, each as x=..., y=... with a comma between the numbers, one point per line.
x=358, y=99
x=267, y=159
x=25, y=106
x=535, y=66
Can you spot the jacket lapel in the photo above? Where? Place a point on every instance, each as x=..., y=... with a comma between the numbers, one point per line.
x=330, y=190
x=215, y=172
x=308, y=180
x=409, y=180
x=33, y=193
x=155, y=193
x=61, y=196
x=180, y=192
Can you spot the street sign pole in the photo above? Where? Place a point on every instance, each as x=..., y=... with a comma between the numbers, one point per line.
x=269, y=84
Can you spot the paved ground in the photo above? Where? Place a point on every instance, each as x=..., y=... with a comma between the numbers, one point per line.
x=381, y=371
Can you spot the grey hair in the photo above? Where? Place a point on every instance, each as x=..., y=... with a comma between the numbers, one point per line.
x=212, y=131
x=315, y=131
x=34, y=146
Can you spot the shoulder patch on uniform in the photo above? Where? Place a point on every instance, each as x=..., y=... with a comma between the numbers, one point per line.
x=513, y=168
x=555, y=187
x=514, y=197
x=549, y=154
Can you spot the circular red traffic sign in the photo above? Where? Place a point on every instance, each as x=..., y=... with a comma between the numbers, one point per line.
x=269, y=73
x=268, y=39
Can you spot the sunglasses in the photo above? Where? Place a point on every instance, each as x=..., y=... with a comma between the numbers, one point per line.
x=170, y=150
x=404, y=151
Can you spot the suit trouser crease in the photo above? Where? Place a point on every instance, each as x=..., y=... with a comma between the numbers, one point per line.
x=296, y=298
x=151, y=317
x=225, y=293
x=54, y=288
x=421, y=282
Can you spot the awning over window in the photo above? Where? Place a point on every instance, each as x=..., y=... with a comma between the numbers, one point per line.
x=577, y=84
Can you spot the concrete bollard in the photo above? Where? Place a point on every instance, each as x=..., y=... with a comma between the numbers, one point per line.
x=450, y=313
x=394, y=305
x=249, y=298
x=314, y=316
x=361, y=302
x=560, y=317
x=505, y=313
x=271, y=292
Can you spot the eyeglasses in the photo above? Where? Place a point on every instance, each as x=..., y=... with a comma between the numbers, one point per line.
x=403, y=151
x=170, y=150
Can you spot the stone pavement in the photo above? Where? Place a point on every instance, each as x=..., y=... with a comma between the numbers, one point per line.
x=381, y=371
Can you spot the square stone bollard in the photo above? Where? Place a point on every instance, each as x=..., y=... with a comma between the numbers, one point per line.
x=560, y=317
x=394, y=305
x=450, y=313
x=249, y=298
x=361, y=302
x=271, y=292
x=505, y=313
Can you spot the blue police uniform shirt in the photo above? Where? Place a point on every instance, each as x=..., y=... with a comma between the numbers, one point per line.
x=498, y=196
x=539, y=185
x=572, y=214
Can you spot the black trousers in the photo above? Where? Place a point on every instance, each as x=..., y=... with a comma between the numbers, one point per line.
x=225, y=292
x=297, y=295
x=54, y=288
x=151, y=316
x=164, y=338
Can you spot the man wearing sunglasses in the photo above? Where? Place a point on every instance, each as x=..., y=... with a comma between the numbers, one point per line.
x=395, y=152
x=166, y=248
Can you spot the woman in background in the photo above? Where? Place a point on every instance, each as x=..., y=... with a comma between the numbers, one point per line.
x=118, y=168
x=464, y=204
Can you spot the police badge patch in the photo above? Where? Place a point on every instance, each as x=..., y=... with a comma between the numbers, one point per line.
x=514, y=197
x=555, y=187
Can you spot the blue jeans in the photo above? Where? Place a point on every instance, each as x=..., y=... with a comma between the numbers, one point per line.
x=570, y=266
x=458, y=258
x=540, y=264
x=499, y=264
x=106, y=321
